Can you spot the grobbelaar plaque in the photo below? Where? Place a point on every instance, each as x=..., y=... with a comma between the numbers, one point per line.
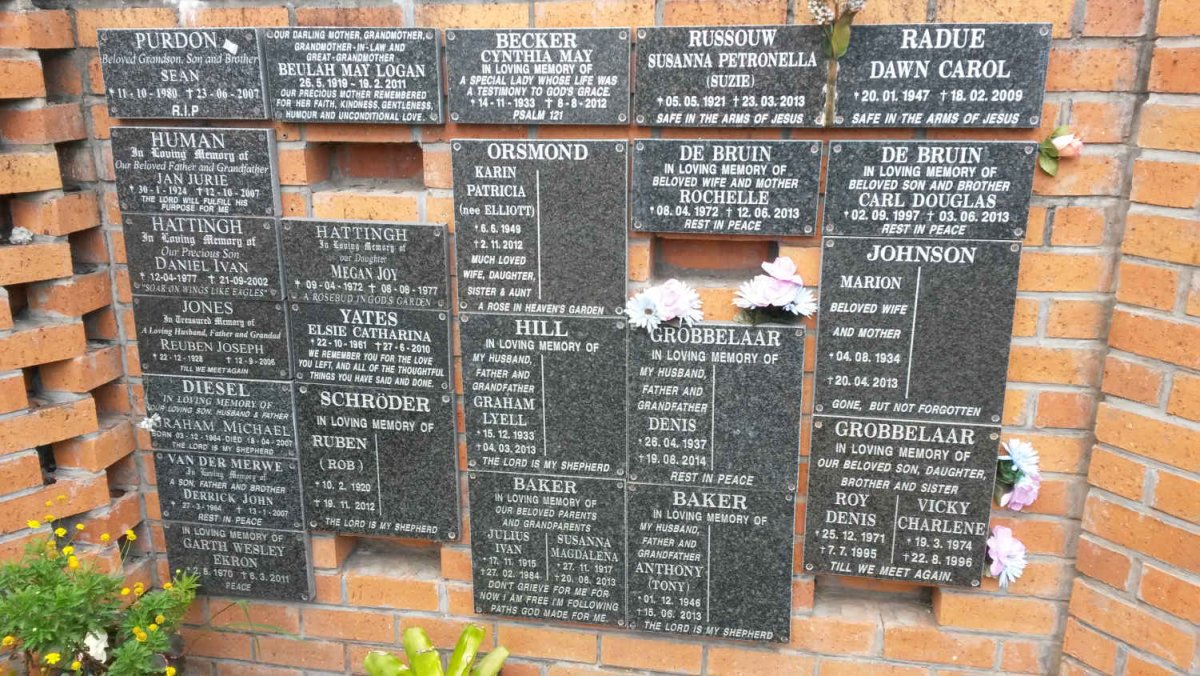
x=229, y=490
x=212, y=415
x=269, y=564
x=209, y=337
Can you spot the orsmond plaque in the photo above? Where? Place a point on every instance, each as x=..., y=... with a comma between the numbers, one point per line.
x=229, y=490
x=205, y=73
x=551, y=76
x=733, y=187
x=213, y=415
x=210, y=337
x=270, y=564
x=540, y=226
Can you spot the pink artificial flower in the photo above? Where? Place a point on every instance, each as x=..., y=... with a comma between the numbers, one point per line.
x=783, y=269
x=763, y=291
x=1024, y=492
x=1068, y=145
x=1007, y=554
x=674, y=299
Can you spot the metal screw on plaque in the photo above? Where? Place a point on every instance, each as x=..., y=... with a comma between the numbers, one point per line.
x=1018, y=232
x=1028, y=150
x=303, y=389
x=279, y=306
x=808, y=566
x=837, y=147
x=995, y=418
x=1015, y=247
x=445, y=399
x=471, y=475
x=462, y=306
x=622, y=117
x=640, y=146
x=620, y=147
x=449, y=35
x=974, y=583
x=641, y=34
x=624, y=35
x=818, y=424
x=471, y=463
x=463, y=318
x=451, y=535
x=145, y=365
x=620, y=471
x=621, y=484
x=267, y=225
x=300, y=375
x=820, y=407
x=454, y=116
x=441, y=303
x=283, y=372
x=312, y=524
x=458, y=146
x=274, y=292
x=641, y=119
x=632, y=476
x=788, y=497
x=1044, y=31
x=478, y=609
x=295, y=308
x=433, y=116
x=829, y=227
x=442, y=316
x=1035, y=120
x=839, y=119
x=445, y=386
x=993, y=436
x=791, y=487
x=828, y=244
x=620, y=325
x=799, y=332
x=637, y=225
x=808, y=228
x=620, y=622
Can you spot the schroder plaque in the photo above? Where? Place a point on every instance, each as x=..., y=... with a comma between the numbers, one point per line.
x=229, y=490
x=270, y=564
x=247, y=417
x=205, y=337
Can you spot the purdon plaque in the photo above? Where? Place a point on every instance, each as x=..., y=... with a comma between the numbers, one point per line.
x=929, y=189
x=209, y=172
x=370, y=347
x=206, y=256
x=944, y=75
x=544, y=394
x=205, y=73
x=345, y=74
x=394, y=265
x=548, y=547
x=540, y=226
x=711, y=563
x=690, y=421
x=731, y=76
x=229, y=490
x=248, y=417
x=552, y=76
x=270, y=564
x=733, y=187
x=378, y=461
x=210, y=337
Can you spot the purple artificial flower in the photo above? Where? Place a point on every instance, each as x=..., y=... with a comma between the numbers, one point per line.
x=1007, y=555
x=1024, y=492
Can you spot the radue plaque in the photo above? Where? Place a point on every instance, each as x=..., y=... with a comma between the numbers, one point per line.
x=229, y=490
x=208, y=337
x=211, y=415
x=271, y=564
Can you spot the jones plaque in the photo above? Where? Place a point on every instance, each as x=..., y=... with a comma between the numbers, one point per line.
x=229, y=490
x=208, y=337
x=211, y=415
x=270, y=564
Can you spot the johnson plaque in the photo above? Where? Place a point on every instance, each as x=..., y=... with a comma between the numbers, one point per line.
x=211, y=337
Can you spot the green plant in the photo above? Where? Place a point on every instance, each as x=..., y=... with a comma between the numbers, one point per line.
x=424, y=660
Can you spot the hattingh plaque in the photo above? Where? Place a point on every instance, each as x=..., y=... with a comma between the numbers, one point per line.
x=211, y=415
x=209, y=337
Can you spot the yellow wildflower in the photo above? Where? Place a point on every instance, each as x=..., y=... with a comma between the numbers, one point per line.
x=160, y=619
x=170, y=671
x=136, y=630
x=131, y=535
x=49, y=518
x=168, y=585
x=33, y=523
x=78, y=526
x=105, y=537
x=76, y=665
x=49, y=503
x=68, y=550
x=125, y=591
x=142, y=637
x=72, y=563
x=8, y=641
x=52, y=658
x=61, y=498
x=152, y=627
x=60, y=531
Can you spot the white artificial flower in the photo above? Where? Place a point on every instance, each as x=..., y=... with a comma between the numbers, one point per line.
x=149, y=422
x=97, y=646
x=805, y=303
x=643, y=312
x=677, y=300
x=752, y=294
x=821, y=12
x=20, y=236
x=1022, y=455
x=856, y=5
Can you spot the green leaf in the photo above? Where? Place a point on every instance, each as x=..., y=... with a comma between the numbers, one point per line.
x=465, y=650
x=839, y=37
x=490, y=665
x=1060, y=131
x=428, y=663
x=379, y=663
x=416, y=641
x=1048, y=164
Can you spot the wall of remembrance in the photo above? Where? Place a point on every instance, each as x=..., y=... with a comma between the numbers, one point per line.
x=364, y=279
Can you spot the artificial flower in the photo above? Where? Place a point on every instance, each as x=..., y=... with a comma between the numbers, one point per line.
x=752, y=294
x=783, y=269
x=676, y=300
x=97, y=644
x=804, y=303
x=1022, y=455
x=1024, y=492
x=1007, y=555
x=821, y=13
x=1068, y=145
x=643, y=312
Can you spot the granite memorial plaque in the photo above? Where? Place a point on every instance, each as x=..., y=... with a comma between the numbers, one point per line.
x=731, y=76
x=205, y=73
x=544, y=394
x=711, y=563
x=346, y=74
x=229, y=490
x=207, y=337
x=370, y=347
x=726, y=187
x=944, y=75
x=210, y=415
x=394, y=265
x=231, y=561
x=900, y=500
x=208, y=172
x=376, y=461
x=205, y=256
x=929, y=189
x=551, y=76
x=548, y=547
x=540, y=226
x=690, y=419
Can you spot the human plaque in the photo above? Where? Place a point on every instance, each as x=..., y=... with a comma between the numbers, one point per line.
x=229, y=489
x=212, y=337
x=253, y=418
x=233, y=561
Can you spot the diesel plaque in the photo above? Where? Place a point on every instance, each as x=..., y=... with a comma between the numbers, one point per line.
x=229, y=490
x=271, y=564
x=210, y=415
x=205, y=337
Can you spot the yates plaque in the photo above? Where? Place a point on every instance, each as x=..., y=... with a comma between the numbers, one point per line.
x=229, y=490
x=270, y=564
x=248, y=417
x=209, y=337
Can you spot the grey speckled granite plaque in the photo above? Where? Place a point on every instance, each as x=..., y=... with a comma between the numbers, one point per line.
x=397, y=265
x=381, y=462
x=690, y=419
x=229, y=490
x=944, y=75
x=726, y=187
x=344, y=74
x=182, y=170
x=730, y=76
x=929, y=189
x=269, y=564
x=544, y=394
x=205, y=73
x=206, y=337
x=548, y=547
x=370, y=347
x=711, y=563
x=551, y=76
x=246, y=417
x=540, y=226
x=206, y=256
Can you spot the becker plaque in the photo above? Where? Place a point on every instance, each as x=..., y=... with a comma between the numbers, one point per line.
x=540, y=226
x=345, y=74
x=229, y=490
x=211, y=415
x=394, y=265
x=210, y=172
x=271, y=564
x=206, y=73
x=731, y=76
x=551, y=76
x=734, y=187
x=378, y=461
x=209, y=337
x=944, y=75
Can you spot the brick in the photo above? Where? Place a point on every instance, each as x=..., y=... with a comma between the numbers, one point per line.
x=1062, y=365
x=1136, y=665
x=1070, y=410
x=207, y=643
x=1089, y=174
x=1173, y=70
x=641, y=260
x=1170, y=127
x=1165, y=183
x=1097, y=560
x=354, y=625
x=455, y=563
x=83, y=494
x=20, y=471
x=652, y=654
x=92, y=247
x=1016, y=403
x=726, y=12
x=1156, y=439
x=859, y=668
x=930, y=644
x=464, y=15
x=1092, y=69
x=1175, y=240
x=1081, y=319
x=1153, y=286
x=378, y=161
x=1132, y=624
x=1025, y=317
x=42, y=125
x=13, y=395
x=240, y=16
x=64, y=79
x=1192, y=307
x=731, y=661
x=887, y=11
x=28, y=171
x=1117, y=474
x=357, y=133
x=265, y=617
x=99, y=365
x=1106, y=121
x=47, y=423
x=1184, y=400
x=88, y=21
x=1090, y=647
x=23, y=263
x=379, y=587
x=32, y=343
x=1056, y=12
x=1114, y=18
x=45, y=29
x=1167, y=591
x=350, y=16
x=1052, y=271
x=304, y=165
x=1144, y=533
x=1041, y=536
x=95, y=76
x=1078, y=226
x=713, y=255
x=1177, y=18
x=73, y=296
x=718, y=304
x=844, y=628
x=1168, y=340
x=1177, y=495
x=558, y=644
x=1132, y=380
x=21, y=76
x=95, y=452
x=366, y=204
x=614, y=14
x=56, y=214
x=435, y=166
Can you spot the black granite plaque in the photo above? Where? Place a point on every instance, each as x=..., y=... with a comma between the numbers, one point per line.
x=731, y=76
x=726, y=187
x=231, y=561
x=899, y=500
x=246, y=417
x=929, y=189
x=690, y=418
x=540, y=226
x=712, y=563
x=344, y=74
x=548, y=547
x=206, y=73
x=210, y=172
x=209, y=337
x=378, y=461
x=395, y=265
x=544, y=394
x=944, y=75
x=551, y=76
x=370, y=347
x=207, y=256
x=229, y=490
